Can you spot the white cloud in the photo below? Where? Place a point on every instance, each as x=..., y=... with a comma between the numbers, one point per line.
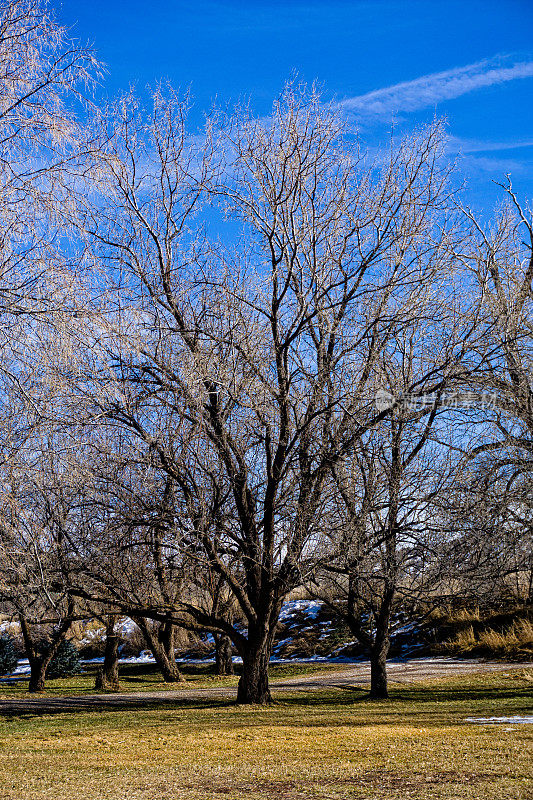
x=429, y=90
x=478, y=156
x=472, y=165
x=457, y=144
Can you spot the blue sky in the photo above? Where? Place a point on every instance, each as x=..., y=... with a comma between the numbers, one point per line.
x=384, y=60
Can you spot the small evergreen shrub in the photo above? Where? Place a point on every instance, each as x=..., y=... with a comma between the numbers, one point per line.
x=8, y=655
x=66, y=661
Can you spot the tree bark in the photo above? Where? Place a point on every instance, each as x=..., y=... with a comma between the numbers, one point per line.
x=110, y=668
x=38, y=674
x=161, y=643
x=380, y=647
x=378, y=668
x=223, y=655
x=40, y=661
x=253, y=683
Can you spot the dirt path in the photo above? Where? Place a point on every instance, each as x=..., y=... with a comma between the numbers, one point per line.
x=356, y=676
x=409, y=671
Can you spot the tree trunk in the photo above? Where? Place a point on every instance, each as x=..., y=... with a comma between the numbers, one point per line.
x=253, y=683
x=167, y=665
x=378, y=669
x=110, y=668
x=161, y=643
x=223, y=655
x=380, y=647
x=38, y=669
x=39, y=662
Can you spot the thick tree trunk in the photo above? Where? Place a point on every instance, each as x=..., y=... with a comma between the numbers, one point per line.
x=110, y=668
x=39, y=662
x=253, y=683
x=380, y=647
x=223, y=655
x=161, y=643
x=167, y=665
x=38, y=669
x=378, y=669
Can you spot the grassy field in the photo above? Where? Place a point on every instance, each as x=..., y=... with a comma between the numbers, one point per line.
x=147, y=678
x=322, y=745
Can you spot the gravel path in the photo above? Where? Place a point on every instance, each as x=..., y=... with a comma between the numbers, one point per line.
x=356, y=676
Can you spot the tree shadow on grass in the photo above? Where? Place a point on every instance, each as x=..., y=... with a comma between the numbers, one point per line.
x=104, y=703
x=428, y=707
x=413, y=703
x=352, y=695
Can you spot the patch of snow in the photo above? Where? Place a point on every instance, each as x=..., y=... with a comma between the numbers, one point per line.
x=10, y=627
x=23, y=667
x=283, y=642
x=502, y=720
x=94, y=633
x=408, y=627
x=311, y=608
x=125, y=626
x=21, y=672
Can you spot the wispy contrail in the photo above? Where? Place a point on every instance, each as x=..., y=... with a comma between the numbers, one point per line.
x=429, y=90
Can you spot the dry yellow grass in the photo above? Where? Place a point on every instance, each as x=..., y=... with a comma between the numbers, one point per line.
x=324, y=746
x=515, y=639
x=453, y=615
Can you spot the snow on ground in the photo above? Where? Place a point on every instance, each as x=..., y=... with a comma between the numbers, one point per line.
x=92, y=634
x=502, y=720
x=21, y=673
x=23, y=669
x=401, y=628
x=283, y=643
x=311, y=608
x=12, y=628
x=126, y=626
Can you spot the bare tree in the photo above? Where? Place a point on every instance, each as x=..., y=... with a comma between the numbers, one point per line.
x=267, y=350
x=381, y=550
x=487, y=524
x=42, y=79
x=502, y=270
x=107, y=676
x=39, y=501
x=495, y=490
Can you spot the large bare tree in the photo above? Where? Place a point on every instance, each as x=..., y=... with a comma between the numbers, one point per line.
x=259, y=275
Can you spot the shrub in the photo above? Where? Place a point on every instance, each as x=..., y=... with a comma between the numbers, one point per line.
x=8, y=655
x=66, y=661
